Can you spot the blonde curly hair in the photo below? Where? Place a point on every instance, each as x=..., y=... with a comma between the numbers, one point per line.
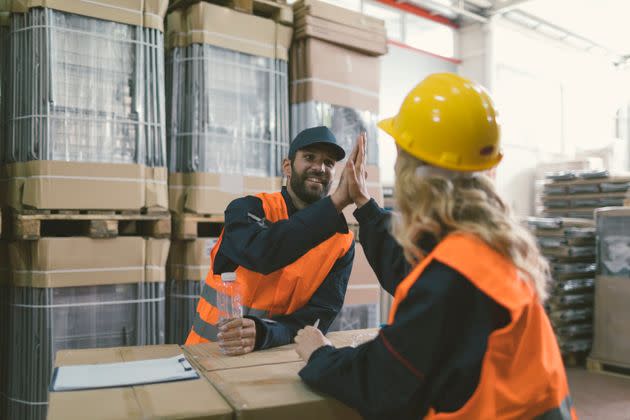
x=439, y=205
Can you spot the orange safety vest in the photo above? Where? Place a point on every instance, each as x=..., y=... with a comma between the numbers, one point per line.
x=265, y=295
x=522, y=373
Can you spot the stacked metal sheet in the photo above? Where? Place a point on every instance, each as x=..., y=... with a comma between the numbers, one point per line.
x=569, y=244
x=578, y=193
x=346, y=123
x=45, y=320
x=228, y=111
x=84, y=90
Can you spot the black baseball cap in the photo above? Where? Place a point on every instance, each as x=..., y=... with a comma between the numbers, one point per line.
x=316, y=135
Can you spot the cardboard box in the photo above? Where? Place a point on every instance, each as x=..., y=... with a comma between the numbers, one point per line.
x=193, y=399
x=190, y=260
x=148, y=13
x=366, y=42
x=156, y=255
x=208, y=358
x=611, y=341
x=209, y=193
x=276, y=392
x=84, y=186
x=336, y=75
x=80, y=261
x=206, y=23
x=338, y=14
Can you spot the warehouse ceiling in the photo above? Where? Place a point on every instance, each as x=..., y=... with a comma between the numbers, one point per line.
x=599, y=26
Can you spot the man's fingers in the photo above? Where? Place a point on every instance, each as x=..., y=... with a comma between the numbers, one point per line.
x=230, y=334
x=237, y=322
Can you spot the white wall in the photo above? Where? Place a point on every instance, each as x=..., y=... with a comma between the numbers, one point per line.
x=401, y=69
x=553, y=99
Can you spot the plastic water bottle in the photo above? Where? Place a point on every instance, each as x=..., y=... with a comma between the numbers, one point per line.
x=229, y=299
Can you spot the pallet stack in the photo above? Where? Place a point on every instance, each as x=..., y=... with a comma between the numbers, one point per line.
x=84, y=194
x=227, y=127
x=329, y=45
x=611, y=344
x=577, y=194
x=569, y=244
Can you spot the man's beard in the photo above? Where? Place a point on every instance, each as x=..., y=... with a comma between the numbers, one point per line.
x=308, y=195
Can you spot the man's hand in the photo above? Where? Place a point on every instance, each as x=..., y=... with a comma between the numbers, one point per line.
x=356, y=175
x=237, y=336
x=343, y=196
x=308, y=340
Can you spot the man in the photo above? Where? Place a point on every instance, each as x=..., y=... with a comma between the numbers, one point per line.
x=291, y=250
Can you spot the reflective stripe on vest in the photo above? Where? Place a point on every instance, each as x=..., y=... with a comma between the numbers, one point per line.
x=522, y=373
x=559, y=413
x=282, y=292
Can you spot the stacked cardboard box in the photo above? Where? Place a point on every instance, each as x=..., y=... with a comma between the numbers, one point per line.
x=579, y=193
x=611, y=344
x=265, y=385
x=92, y=126
x=73, y=293
x=89, y=138
x=335, y=81
x=228, y=110
x=258, y=385
x=569, y=244
x=192, y=399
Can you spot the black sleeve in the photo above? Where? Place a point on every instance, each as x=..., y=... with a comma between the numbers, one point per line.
x=324, y=305
x=381, y=249
x=430, y=357
x=265, y=247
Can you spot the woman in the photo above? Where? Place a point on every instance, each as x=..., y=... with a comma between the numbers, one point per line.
x=467, y=336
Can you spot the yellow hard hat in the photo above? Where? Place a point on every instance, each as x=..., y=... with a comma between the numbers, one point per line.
x=449, y=122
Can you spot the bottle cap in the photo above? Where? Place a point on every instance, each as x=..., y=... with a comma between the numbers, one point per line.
x=230, y=276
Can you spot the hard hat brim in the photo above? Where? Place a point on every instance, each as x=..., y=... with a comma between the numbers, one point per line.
x=387, y=125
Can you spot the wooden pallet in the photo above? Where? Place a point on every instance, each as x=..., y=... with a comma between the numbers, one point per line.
x=33, y=225
x=612, y=369
x=190, y=226
x=277, y=11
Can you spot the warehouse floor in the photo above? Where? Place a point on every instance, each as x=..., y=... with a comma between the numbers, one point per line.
x=599, y=396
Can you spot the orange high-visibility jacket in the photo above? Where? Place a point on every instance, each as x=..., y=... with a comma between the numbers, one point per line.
x=522, y=373
x=282, y=292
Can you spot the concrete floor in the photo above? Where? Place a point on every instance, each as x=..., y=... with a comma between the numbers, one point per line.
x=599, y=396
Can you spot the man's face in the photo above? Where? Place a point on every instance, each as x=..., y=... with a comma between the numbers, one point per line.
x=311, y=172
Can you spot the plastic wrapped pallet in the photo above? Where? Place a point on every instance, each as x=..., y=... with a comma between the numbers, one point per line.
x=86, y=87
x=228, y=118
x=73, y=293
x=612, y=288
x=4, y=74
x=4, y=324
x=188, y=265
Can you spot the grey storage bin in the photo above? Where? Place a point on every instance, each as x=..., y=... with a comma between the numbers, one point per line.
x=613, y=241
